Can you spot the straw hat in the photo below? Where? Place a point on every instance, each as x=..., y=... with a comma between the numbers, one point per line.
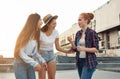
x=48, y=17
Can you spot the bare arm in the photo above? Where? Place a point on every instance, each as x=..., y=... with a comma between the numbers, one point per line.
x=57, y=45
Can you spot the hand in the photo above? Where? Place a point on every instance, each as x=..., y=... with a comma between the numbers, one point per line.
x=38, y=67
x=80, y=48
x=74, y=47
x=70, y=51
x=44, y=66
x=69, y=39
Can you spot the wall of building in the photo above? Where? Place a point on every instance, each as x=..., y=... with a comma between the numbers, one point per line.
x=63, y=39
x=108, y=15
x=114, y=38
x=70, y=32
x=106, y=23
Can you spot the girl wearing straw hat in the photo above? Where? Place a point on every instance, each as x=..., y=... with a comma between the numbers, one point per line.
x=49, y=36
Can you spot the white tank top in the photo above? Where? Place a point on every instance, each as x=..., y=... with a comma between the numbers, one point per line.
x=82, y=53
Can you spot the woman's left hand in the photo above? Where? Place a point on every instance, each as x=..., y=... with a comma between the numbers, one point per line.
x=80, y=48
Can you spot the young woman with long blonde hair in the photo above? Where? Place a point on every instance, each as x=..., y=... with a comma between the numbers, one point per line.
x=27, y=48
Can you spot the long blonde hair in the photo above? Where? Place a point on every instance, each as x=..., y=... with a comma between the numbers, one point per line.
x=30, y=29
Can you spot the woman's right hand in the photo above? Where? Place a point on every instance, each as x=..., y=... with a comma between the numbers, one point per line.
x=69, y=39
x=38, y=67
x=44, y=66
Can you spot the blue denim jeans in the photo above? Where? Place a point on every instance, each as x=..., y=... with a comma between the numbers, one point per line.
x=23, y=70
x=82, y=70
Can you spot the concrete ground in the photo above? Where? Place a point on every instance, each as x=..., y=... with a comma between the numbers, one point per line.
x=72, y=74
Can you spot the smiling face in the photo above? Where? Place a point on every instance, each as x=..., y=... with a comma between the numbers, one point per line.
x=52, y=24
x=40, y=23
x=82, y=22
x=84, y=19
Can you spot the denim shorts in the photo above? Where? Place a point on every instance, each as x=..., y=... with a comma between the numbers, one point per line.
x=49, y=56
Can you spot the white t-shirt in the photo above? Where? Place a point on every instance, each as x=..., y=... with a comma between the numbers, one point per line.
x=48, y=41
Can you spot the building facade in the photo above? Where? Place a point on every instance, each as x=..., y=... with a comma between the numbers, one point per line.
x=107, y=24
x=63, y=39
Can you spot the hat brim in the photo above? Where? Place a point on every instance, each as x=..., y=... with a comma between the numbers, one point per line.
x=53, y=17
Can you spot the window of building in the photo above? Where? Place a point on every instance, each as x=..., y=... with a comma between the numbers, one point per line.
x=118, y=36
x=94, y=24
x=119, y=17
x=119, y=33
x=102, y=39
x=103, y=44
x=108, y=40
x=102, y=36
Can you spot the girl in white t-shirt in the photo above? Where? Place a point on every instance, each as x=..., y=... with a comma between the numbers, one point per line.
x=48, y=36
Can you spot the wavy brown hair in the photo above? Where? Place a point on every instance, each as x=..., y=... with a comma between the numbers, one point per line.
x=88, y=16
x=30, y=30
